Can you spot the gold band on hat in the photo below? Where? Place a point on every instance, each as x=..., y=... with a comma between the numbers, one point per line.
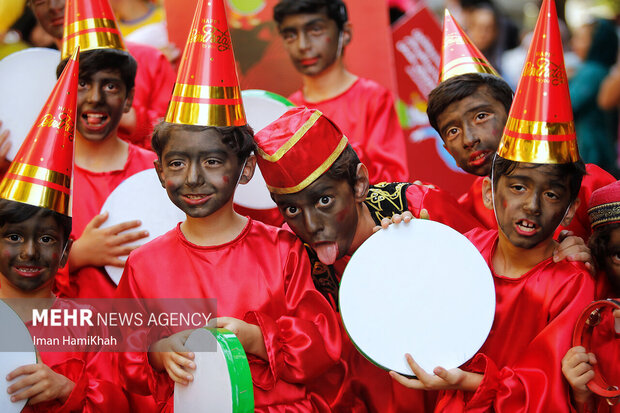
x=317, y=172
x=292, y=141
x=198, y=105
x=89, y=34
x=534, y=127
x=604, y=214
x=538, y=151
x=465, y=65
x=206, y=92
x=37, y=186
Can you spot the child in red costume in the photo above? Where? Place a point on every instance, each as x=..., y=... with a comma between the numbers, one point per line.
x=604, y=211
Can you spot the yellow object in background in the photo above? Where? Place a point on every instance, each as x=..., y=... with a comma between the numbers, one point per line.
x=10, y=11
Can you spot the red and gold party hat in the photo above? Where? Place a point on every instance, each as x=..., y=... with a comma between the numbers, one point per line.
x=540, y=127
x=40, y=174
x=458, y=54
x=90, y=24
x=207, y=89
x=297, y=148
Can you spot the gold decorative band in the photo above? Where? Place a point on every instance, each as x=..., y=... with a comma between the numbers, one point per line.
x=89, y=24
x=533, y=127
x=204, y=114
x=604, y=214
x=317, y=172
x=480, y=65
x=35, y=194
x=40, y=173
x=90, y=41
x=538, y=151
x=292, y=141
x=206, y=92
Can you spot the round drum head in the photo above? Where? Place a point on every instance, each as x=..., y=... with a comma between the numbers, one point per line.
x=420, y=288
x=27, y=78
x=222, y=380
x=16, y=349
x=141, y=197
x=261, y=108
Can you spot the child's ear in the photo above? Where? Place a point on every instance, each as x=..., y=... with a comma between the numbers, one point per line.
x=129, y=100
x=160, y=172
x=347, y=33
x=572, y=210
x=487, y=193
x=65, y=254
x=248, y=170
x=360, y=189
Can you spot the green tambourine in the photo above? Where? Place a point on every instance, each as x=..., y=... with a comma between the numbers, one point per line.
x=222, y=379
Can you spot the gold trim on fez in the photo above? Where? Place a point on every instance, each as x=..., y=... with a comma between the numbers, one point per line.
x=35, y=194
x=602, y=214
x=317, y=172
x=91, y=41
x=293, y=139
x=538, y=151
x=206, y=92
x=205, y=114
x=534, y=127
x=40, y=173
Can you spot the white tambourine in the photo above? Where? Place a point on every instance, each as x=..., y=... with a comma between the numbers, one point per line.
x=16, y=349
x=222, y=380
x=420, y=288
x=27, y=78
x=141, y=197
x=261, y=108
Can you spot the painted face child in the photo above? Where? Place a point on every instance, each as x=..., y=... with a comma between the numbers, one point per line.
x=34, y=244
x=200, y=167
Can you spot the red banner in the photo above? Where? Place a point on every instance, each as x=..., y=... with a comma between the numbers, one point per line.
x=417, y=46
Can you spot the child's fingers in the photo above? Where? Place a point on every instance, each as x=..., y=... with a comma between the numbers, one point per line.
x=21, y=370
x=408, y=216
x=183, y=361
x=386, y=222
x=177, y=374
x=581, y=369
x=410, y=383
x=424, y=214
x=418, y=371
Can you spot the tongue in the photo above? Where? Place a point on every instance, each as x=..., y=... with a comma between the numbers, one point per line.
x=327, y=252
x=94, y=120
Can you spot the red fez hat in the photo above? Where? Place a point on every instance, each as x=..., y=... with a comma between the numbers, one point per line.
x=90, y=24
x=207, y=89
x=297, y=148
x=458, y=54
x=540, y=127
x=604, y=207
x=40, y=174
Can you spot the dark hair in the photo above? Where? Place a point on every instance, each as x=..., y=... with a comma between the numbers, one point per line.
x=575, y=172
x=344, y=167
x=12, y=212
x=239, y=138
x=335, y=10
x=599, y=243
x=459, y=87
x=92, y=61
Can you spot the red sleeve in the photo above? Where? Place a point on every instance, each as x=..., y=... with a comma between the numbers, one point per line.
x=534, y=381
x=384, y=143
x=135, y=369
x=303, y=343
x=471, y=202
x=441, y=207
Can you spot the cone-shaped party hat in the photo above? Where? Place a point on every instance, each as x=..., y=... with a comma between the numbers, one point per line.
x=458, y=54
x=207, y=89
x=40, y=174
x=297, y=148
x=90, y=24
x=540, y=127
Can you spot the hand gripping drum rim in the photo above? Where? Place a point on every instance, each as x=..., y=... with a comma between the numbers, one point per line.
x=590, y=318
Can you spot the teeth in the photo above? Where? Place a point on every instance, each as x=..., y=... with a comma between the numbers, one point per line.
x=526, y=225
x=27, y=269
x=95, y=118
x=192, y=196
